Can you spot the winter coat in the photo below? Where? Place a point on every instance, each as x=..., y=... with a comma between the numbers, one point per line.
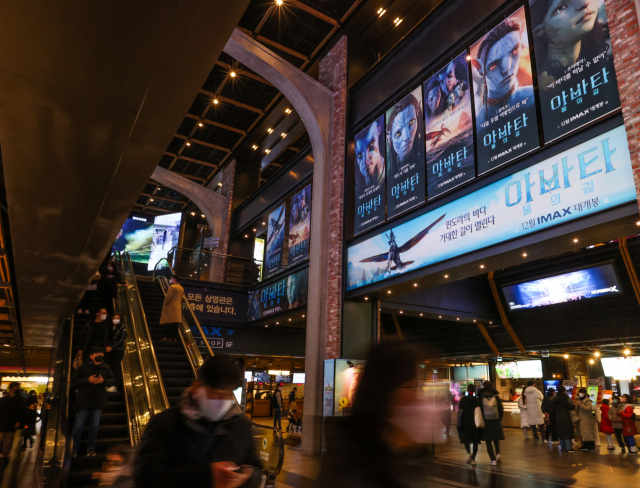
x=108, y=284
x=31, y=417
x=492, y=428
x=468, y=433
x=178, y=451
x=562, y=406
x=276, y=400
x=95, y=334
x=629, y=428
x=118, y=337
x=12, y=411
x=547, y=407
x=587, y=420
x=524, y=420
x=605, y=423
x=172, y=305
x=91, y=396
x=616, y=420
x=534, y=405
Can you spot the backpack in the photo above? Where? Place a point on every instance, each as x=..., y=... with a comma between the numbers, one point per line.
x=490, y=408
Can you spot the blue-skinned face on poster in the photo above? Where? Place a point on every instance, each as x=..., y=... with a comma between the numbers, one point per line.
x=565, y=24
x=403, y=131
x=370, y=161
x=433, y=99
x=502, y=64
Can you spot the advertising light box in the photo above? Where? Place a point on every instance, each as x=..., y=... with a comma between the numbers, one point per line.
x=285, y=294
x=300, y=226
x=591, y=177
x=519, y=369
x=275, y=241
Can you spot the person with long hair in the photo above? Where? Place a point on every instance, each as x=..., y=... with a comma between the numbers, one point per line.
x=524, y=422
x=587, y=427
x=616, y=423
x=468, y=432
x=551, y=434
x=629, y=429
x=562, y=406
x=492, y=412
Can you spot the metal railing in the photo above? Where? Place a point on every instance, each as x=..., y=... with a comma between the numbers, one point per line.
x=214, y=267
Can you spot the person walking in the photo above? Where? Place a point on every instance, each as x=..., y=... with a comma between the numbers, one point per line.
x=587, y=421
x=12, y=413
x=629, y=429
x=171, y=316
x=562, y=406
x=616, y=423
x=91, y=380
x=203, y=441
x=276, y=405
x=32, y=398
x=492, y=411
x=534, y=409
x=95, y=334
x=550, y=433
x=29, y=430
x=118, y=344
x=108, y=287
x=445, y=400
x=524, y=421
x=468, y=432
x=606, y=427
x=292, y=394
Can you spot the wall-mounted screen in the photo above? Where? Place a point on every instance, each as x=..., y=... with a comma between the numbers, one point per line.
x=519, y=369
x=568, y=287
x=262, y=377
x=507, y=369
x=370, y=176
x=622, y=368
x=298, y=378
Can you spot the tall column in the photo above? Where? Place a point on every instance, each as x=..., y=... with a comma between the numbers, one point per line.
x=625, y=38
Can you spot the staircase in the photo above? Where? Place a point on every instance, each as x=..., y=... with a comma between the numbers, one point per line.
x=175, y=369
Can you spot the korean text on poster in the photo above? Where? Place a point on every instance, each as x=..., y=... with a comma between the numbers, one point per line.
x=275, y=241
x=370, y=172
x=300, y=226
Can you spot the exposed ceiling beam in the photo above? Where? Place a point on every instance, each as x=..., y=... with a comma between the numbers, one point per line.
x=191, y=160
x=216, y=124
x=265, y=17
x=197, y=178
x=314, y=12
x=233, y=102
x=271, y=43
x=241, y=72
x=166, y=199
x=203, y=143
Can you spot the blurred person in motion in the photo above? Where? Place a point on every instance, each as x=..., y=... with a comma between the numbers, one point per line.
x=534, y=409
x=95, y=335
x=524, y=419
x=171, y=316
x=276, y=405
x=108, y=286
x=12, y=414
x=629, y=429
x=203, y=441
x=606, y=427
x=29, y=430
x=616, y=423
x=550, y=433
x=292, y=394
x=371, y=447
x=468, y=432
x=118, y=341
x=445, y=400
x=32, y=398
x=562, y=406
x=117, y=472
x=492, y=411
x=584, y=406
x=91, y=380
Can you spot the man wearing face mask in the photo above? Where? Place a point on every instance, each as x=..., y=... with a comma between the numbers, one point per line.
x=91, y=380
x=96, y=334
x=108, y=286
x=118, y=340
x=203, y=441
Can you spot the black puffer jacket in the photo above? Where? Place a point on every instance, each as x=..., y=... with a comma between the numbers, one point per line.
x=118, y=337
x=12, y=411
x=178, y=451
x=562, y=406
x=91, y=396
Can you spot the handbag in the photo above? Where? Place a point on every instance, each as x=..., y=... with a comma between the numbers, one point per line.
x=478, y=418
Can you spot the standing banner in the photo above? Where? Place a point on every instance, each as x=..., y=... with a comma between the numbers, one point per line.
x=405, y=154
x=370, y=174
x=506, y=121
x=449, y=128
x=574, y=60
x=299, y=226
x=275, y=240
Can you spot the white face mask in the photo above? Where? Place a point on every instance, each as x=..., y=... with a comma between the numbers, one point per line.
x=416, y=420
x=581, y=395
x=212, y=410
x=116, y=321
x=103, y=317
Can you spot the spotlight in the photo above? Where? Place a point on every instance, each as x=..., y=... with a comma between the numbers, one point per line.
x=482, y=266
x=575, y=241
x=398, y=21
x=596, y=354
x=400, y=311
x=446, y=276
x=468, y=57
x=264, y=223
x=151, y=199
x=381, y=12
x=524, y=254
x=591, y=361
x=566, y=356
x=269, y=130
x=638, y=222
x=283, y=135
x=457, y=318
x=254, y=147
x=246, y=236
x=626, y=352
x=279, y=3
x=265, y=328
x=267, y=151
x=193, y=214
x=439, y=316
x=415, y=284
x=202, y=216
x=366, y=298
x=277, y=323
x=303, y=316
x=490, y=323
x=287, y=111
x=474, y=321
x=232, y=74
x=219, y=184
x=351, y=365
x=188, y=143
x=215, y=101
x=389, y=292
x=420, y=315
x=200, y=124
x=289, y=320
x=254, y=230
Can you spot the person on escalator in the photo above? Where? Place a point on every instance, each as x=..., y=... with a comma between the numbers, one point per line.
x=96, y=334
x=108, y=286
x=171, y=316
x=118, y=342
x=204, y=441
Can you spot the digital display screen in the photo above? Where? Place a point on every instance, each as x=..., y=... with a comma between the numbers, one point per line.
x=298, y=377
x=283, y=379
x=261, y=377
x=569, y=287
x=621, y=368
x=519, y=369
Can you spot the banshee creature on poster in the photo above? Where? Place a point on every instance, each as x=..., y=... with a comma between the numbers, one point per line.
x=506, y=121
x=299, y=225
x=574, y=60
x=275, y=240
x=405, y=154
x=449, y=127
x=370, y=172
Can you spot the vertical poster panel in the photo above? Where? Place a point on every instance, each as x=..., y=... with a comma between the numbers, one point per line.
x=347, y=379
x=449, y=128
x=370, y=172
x=574, y=60
x=300, y=226
x=275, y=240
x=506, y=121
x=328, y=387
x=405, y=154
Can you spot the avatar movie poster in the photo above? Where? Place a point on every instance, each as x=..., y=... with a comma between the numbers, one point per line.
x=405, y=154
x=275, y=240
x=285, y=294
x=506, y=121
x=300, y=225
x=448, y=127
x=574, y=63
x=370, y=176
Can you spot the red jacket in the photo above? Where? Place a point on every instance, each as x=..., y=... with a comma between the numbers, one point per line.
x=605, y=424
x=628, y=424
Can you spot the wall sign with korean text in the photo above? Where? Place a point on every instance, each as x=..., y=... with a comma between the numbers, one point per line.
x=211, y=305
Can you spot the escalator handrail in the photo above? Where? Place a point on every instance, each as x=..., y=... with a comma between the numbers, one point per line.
x=66, y=456
x=146, y=328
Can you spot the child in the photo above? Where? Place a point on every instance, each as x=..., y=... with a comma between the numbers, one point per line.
x=606, y=427
x=295, y=420
x=29, y=430
x=629, y=429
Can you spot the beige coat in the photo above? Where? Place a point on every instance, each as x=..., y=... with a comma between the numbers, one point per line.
x=587, y=420
x=172, y=305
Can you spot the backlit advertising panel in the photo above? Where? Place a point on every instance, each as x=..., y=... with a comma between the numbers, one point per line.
x=300, y=226
x=285, y=294
x=370, y=176
x=275, y=241
x=506, y=121
x=574, y=63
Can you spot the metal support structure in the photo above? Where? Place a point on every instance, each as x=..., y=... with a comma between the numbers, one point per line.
x=624, y=250
x=503, y=314
x=397, y=324
x=489, y=340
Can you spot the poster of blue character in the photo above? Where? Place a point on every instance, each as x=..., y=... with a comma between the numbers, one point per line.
x=506, y=121
x=300, y=226
x=370, y=174
x=280, y=296
x=574, y=60
x=405, y=154
x=448, y=128
x=275, y=241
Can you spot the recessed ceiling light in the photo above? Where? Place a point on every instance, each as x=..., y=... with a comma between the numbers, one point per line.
x=200, y=124
x=303, y=316
x=216, y=101
x=246, y=236
x=474, y=320
x=420, y=315
x=269, y=130
x=457, y=318
x=468, y=57
x=439, y=316
x=265, y=328
x=415, y=284
x=232, y=74
x=151, y=199
x=400, y=311
x=524, y=254
x=188, y=143
x=575, y=240
x=366, y=298
x=289, y=320
x=446, y=276
x=389, y=292
x=277, y=323
x=482, y=266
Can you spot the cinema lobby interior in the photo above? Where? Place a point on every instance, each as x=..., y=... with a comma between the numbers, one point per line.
x=320, y=243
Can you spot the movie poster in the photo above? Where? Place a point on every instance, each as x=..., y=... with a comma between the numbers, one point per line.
x=370, y=176
x=275, y=241
x=280, y=296
x=448, y=127
x=574, y=60
x=405, y=154
x=506, y=121
x=299, y=226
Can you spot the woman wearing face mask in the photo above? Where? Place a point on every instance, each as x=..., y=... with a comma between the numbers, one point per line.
x=616, y=422
x=468, y=432
x=108, y=286
x=584, y=405
x=492, y=411
x=118, y=341
x=96, y=334
x=605, y=424
x=629, y=429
